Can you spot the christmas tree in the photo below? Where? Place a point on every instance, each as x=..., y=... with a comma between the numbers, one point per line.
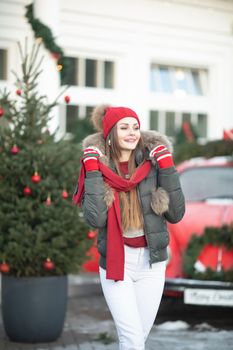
x=41, y=232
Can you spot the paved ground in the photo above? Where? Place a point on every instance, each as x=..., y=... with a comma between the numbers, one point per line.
x=89, y=326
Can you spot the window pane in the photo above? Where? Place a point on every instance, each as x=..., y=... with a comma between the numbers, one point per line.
x=89, y=110
x=202, y=125
x=186, y=116
x=165, y=78
x=3, y=64
x=154, y=78
x=71, y=76
x=108, y=74
x=154, y=120
x=170, y=124
x=71, y=118
x=91, y=73
x=195, y=83
x=181, y=79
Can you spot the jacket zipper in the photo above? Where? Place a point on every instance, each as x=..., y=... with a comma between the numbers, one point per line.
x=144, y=227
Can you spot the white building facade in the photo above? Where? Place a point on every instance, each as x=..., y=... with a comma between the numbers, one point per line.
x=168, y=60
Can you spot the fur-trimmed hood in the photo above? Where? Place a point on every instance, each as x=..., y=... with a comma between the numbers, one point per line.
x=151, y=139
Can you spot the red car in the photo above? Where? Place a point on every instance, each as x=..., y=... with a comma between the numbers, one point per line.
x=208, y=188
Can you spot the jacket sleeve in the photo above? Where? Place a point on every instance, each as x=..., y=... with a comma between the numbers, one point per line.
x=169, y=180
x=94, y=206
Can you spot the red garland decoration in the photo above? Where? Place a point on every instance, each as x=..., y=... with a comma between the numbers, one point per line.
x=18, y=92
x=1, y=111
x=188, y=131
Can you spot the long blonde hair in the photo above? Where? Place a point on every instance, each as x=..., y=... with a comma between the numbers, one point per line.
x=131, y=214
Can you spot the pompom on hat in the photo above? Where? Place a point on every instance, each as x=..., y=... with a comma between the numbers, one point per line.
x=104, y=117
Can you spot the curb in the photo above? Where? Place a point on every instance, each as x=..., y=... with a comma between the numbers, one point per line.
x=83, y=284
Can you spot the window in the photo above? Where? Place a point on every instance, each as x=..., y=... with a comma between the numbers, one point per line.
x=165, y=80
x=179, y=81
x=186, y=116
x=74, y=114
x=220, y=186
x=91, y=73
x=108, y=74
x=154, y=120
x=3, y=64
x=202, y=125
x=71, y=77
x=169, y=122
x=196, y=87
x=71, y=118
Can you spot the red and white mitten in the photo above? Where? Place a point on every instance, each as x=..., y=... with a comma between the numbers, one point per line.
x=91, y=158
x=163, y=156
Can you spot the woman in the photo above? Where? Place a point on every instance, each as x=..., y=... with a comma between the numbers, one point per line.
x=128, y=187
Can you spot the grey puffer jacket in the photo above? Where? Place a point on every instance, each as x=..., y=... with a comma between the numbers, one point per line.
x=159, y=193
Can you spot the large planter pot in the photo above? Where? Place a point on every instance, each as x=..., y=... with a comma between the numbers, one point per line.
x=34, y=308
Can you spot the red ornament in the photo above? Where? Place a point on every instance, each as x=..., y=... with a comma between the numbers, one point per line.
x=1, y=111
x=48, y=201
x=27, y=191
x=15, y=149
x=67, y=99
x=56, y=55
x=4, y=267
x=65, y=194
x=18, y=92
x=91, y=234
x=36, y=177
x=48, y=265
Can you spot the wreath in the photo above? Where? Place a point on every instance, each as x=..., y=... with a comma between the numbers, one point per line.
x=216, y=237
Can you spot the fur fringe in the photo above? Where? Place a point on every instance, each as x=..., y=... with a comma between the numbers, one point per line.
x=97, y=116
x=159, y=201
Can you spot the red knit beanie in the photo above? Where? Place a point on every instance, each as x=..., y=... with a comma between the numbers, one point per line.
x=113, y=115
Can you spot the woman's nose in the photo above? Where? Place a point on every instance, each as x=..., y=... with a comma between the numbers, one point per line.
x=131, y=131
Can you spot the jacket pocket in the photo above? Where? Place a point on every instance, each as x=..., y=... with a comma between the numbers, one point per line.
x=158, y=240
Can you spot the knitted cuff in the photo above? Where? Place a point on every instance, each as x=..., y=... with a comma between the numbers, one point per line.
x=91, y=164
x=165, y=160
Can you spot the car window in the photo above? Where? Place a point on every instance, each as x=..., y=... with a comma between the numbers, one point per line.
x=199, y=184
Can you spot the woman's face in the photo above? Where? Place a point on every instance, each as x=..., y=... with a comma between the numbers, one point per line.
x=128, y=133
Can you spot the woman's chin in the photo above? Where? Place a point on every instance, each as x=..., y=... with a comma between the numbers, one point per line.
x=129, y=147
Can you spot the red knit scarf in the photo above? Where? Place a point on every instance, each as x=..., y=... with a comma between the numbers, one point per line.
x=115, y=245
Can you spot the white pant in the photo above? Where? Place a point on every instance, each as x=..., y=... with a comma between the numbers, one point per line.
x=134, y=302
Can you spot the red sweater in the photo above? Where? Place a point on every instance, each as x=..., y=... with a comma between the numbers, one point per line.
x=135, y=242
